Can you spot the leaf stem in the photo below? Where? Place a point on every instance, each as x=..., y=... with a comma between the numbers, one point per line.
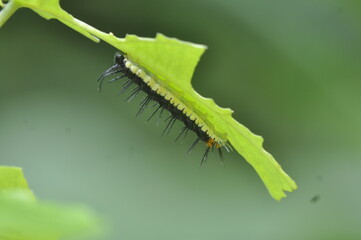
x=8, y=10
x=54, y=11
x=106, y=37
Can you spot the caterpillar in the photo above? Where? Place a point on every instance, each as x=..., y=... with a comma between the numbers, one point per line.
x=149, y=84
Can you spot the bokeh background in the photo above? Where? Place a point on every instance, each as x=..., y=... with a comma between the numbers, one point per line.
x=289, y=69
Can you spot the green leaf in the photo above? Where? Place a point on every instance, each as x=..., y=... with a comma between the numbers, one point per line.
x=250, y=147
x=172, y=62
x=24, y=218
x=12, y=178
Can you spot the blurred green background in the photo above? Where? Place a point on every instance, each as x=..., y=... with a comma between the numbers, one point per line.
x=289, y=69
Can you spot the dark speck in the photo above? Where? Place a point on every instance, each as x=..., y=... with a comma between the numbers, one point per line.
x=315, y=198
x=339, y=10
